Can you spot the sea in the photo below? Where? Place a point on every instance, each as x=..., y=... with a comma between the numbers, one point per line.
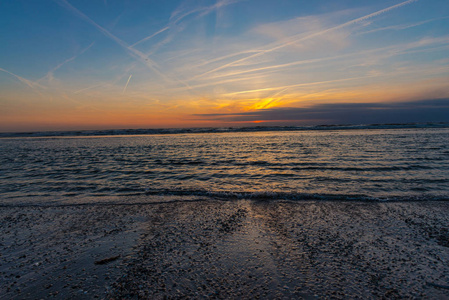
x=322, y=163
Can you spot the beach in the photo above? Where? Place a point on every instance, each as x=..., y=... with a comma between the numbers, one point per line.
x=211, y=248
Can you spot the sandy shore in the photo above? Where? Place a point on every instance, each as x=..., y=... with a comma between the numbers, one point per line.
x=234, y=249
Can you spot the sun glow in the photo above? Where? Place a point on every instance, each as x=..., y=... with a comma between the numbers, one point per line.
x=264, y=104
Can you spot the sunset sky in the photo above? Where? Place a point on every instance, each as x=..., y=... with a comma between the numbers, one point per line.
x=104, y=64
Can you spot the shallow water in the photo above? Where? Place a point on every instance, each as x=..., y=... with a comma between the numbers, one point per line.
x=394, y=164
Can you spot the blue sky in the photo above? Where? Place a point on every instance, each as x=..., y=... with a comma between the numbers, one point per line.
x=67, y=64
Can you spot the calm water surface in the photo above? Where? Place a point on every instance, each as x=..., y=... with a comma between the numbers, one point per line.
x=336, y=165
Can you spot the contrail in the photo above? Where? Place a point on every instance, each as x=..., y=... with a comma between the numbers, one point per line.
x=402, y=27
x=135, y=53
x=358, y=20
x=90, y=87
x=300, y=62
x=21, y=79
x=126, y=85
x=50, y=73
x=151, y=36
x=204, y=10
x=179, y=14
x=295, y=85
x=227, y=56
x=220, y=82
x=29, y=83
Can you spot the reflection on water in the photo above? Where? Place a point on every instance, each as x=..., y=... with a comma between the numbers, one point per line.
x=288, y=250
x=375, y=163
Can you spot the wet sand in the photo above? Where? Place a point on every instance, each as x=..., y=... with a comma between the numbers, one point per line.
x=226, y=249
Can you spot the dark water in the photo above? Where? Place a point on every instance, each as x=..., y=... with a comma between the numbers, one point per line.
x=394, y=164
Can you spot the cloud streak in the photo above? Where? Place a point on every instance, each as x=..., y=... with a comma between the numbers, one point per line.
x=296, y=39
x=429, y=110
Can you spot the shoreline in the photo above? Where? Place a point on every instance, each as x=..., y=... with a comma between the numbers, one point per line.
x=218, y=130
x=226, y=249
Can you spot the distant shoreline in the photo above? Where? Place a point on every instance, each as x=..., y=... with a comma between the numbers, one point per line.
x=164, y=131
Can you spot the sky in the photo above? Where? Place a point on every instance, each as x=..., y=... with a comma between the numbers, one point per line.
x=111, y=64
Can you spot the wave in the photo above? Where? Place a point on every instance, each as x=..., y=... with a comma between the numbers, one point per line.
x=178, y=195
x=298, y=196
x=118, y=132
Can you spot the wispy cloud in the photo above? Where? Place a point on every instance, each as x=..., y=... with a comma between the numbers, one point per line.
x=377, y=53
x=300, y=38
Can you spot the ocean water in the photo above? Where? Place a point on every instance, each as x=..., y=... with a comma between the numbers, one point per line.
x=357, y=164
